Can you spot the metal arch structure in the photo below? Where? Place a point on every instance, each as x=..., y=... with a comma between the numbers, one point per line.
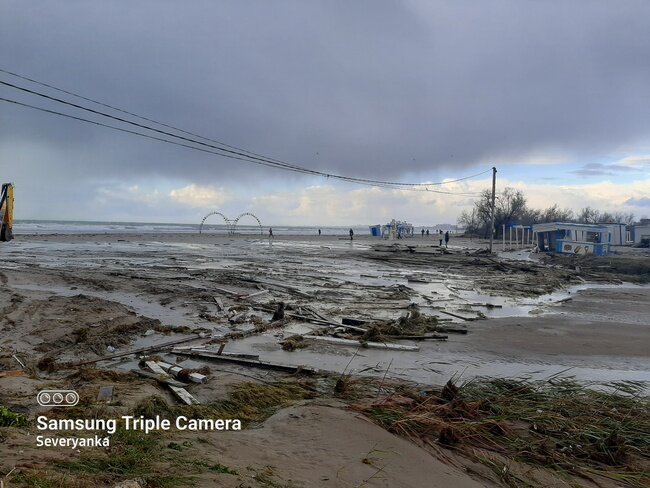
x=229, y=223
x=236, y=221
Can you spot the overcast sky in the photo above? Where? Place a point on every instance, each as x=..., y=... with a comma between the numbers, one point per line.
x=556, y=94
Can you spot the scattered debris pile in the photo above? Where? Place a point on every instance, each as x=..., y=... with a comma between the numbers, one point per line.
x=293, y=342
x=486, y=272
x=413, y=324
x=612, y=268
x=380, y=333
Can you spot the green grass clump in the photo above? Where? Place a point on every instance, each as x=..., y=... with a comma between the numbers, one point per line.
x=132, y=453
x=40, y=480
x=248, y=402
x=152, y=406
x=12, y=419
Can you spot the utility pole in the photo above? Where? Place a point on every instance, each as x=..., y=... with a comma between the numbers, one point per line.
x=494, y=187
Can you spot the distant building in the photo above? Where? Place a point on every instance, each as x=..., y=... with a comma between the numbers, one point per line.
x=641, y=231
x=567, y=238
x=392, y=230
x=617, y=234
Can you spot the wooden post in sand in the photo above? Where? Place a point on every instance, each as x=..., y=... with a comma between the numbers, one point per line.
x=494, y=186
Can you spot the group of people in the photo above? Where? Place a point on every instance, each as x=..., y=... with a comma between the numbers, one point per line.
x=443, y=236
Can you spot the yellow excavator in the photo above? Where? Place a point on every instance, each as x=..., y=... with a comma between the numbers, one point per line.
x=6, y=212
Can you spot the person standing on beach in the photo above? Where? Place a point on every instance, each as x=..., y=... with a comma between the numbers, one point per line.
x=270, y=233
x=351, y=234
x=446, y=238
x=423, y=232
x=440, y=237
x=318, y=231
x=427, y=232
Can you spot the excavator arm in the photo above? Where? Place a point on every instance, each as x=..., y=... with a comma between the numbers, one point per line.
x=6, y=212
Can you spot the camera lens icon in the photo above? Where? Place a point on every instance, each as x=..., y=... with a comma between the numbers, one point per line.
x=57, y=398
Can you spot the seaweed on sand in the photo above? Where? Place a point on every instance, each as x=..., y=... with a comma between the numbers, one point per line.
x=574, y=429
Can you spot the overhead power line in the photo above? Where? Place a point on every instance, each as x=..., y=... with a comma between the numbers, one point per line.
x=76, y=95
x=175, y=143
x=121, y=129
x=141, y=117
x=222, y=149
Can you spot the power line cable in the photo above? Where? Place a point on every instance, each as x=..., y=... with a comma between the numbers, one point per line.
x=149, y=136
x=222, y=143
x=136, y=124
x=127, y=112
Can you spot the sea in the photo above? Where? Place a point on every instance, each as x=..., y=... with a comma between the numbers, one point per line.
x=52, y=227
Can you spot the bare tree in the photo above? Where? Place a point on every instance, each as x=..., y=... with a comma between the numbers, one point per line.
x=589, y=215
x=556, y=214
x=470, y=222
x=626, y=218
x=511, y=208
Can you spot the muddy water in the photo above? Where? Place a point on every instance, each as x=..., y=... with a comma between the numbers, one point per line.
x=345, y=286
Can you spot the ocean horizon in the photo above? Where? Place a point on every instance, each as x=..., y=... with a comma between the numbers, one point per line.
x=31, y=226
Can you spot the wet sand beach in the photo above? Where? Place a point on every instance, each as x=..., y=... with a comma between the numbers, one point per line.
x=592, y=327
x=72, y=298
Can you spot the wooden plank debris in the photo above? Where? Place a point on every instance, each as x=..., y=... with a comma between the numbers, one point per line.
x=282, y=286
x=430, y=337
x=184, y=395
x=227, y=292
x=176, y=370
x=316, y=314
x=220, y=352
x=324, y=322
x=155, y=347
x=257, y=293
x=166, y=380
x=248, y=362
x=350, y=342
x=154, y=367
x=486, y=305
x=456, y=315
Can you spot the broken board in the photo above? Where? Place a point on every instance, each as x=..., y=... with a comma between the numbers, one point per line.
x=183, y=395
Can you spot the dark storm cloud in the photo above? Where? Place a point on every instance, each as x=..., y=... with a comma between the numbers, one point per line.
x=599, y=169
x=379, y=89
